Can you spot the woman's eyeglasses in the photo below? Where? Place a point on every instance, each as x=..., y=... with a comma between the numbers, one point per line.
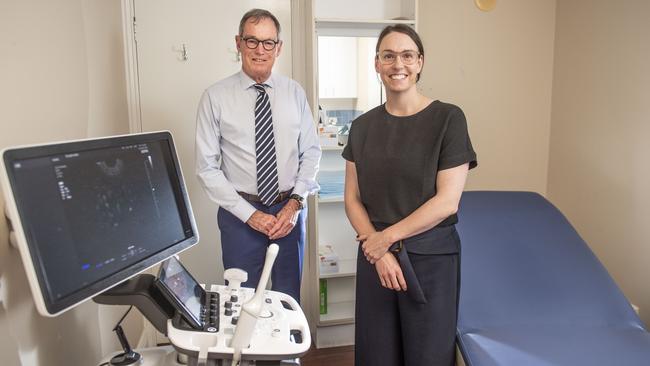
x=252, y=43
x=408, y=57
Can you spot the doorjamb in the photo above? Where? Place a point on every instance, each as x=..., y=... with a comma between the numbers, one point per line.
x=299, y=18
x=131, y=65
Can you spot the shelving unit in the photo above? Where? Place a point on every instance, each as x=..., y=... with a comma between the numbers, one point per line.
x=331, y=227
x=328, y=223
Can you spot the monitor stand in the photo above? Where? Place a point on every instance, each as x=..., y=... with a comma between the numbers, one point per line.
x=153, y=356
x=128, y=357
x=141, y=292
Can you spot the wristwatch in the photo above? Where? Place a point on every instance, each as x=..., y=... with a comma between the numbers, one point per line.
x=300, y=199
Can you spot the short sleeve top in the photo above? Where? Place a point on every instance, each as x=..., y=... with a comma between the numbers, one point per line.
x=398, y=158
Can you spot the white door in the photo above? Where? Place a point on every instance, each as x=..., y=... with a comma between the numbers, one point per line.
x=171, y=83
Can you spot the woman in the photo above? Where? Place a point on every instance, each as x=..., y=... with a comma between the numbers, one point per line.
x=407, y=162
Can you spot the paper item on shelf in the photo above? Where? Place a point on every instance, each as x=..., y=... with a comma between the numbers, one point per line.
x=327, y=135
x=333, y=129
x=329, y=260
x=331, y=183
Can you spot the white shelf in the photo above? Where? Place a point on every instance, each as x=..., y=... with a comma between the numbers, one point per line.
x=334, y=336
x=365, y=9
x=340, y=22
x=355, y=27
x=347, y=268
x=338, y=313
x=330, y=198
x=332, y=148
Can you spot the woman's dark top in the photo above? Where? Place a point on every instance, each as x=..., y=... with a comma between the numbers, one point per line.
x=398, y=158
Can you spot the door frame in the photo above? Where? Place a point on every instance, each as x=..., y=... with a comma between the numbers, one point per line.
x=301, y=71
x=131, y=65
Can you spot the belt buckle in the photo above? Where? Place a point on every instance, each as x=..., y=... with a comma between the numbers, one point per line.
x=399, y=247
x=278, y=198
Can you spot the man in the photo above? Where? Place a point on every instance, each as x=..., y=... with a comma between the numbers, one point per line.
x=257, y=155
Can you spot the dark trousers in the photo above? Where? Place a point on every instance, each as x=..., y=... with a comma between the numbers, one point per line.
x=391, y=329
x=245, y=248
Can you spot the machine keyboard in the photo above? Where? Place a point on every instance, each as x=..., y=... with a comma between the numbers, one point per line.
x=210, y=312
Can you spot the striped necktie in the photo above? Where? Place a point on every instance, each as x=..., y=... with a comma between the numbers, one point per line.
x=267, y=170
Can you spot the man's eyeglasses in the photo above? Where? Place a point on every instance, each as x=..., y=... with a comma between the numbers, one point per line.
x=408, y=57
x=252, y=43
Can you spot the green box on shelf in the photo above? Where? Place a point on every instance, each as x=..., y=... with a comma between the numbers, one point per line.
x=323, y=296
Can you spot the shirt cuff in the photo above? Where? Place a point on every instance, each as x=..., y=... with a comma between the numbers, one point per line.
x=301, y=189
x=457, y=160
x=243, y=210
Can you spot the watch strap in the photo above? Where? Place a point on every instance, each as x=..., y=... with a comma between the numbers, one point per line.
x=299, y=199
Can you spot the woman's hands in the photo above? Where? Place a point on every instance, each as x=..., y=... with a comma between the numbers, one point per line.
x=374, y=245
x=390, y=273
x=386, y=265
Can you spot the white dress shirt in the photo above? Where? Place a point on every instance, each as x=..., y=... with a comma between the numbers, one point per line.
x=225, y=140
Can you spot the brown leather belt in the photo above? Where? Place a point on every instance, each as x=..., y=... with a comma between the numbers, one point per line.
x=253, y=198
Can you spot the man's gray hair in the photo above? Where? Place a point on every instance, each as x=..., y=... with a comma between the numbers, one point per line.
x=256, y=15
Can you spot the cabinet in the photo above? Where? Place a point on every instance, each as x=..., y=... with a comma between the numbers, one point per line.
x=343, y=48
x=337, y=60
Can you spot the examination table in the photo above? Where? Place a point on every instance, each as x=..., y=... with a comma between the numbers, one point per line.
x=533, y=293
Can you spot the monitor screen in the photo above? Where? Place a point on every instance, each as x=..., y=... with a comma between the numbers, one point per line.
x=182, y=289
x=90, y=214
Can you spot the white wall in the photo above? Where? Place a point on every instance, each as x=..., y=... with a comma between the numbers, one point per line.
x=598, y=168
x=497, y=66
x=61, y=66
x=107, y=109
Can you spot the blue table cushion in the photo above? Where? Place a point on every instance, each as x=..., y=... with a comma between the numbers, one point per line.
x=557, y=346
x=531, y=289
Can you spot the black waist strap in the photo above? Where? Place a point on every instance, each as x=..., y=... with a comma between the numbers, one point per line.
x=438, y=240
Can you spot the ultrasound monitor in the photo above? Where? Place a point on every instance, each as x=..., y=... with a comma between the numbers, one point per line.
x=90, y=214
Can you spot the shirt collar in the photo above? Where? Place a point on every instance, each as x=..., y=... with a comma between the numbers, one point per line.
x=247, y=82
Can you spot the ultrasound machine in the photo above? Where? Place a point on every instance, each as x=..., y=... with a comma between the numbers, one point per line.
x=89, y=216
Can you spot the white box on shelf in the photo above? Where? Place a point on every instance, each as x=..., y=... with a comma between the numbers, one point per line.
x=328, y=259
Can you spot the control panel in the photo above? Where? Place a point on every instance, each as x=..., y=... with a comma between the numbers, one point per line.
x=252, y=324
x=281, y=330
